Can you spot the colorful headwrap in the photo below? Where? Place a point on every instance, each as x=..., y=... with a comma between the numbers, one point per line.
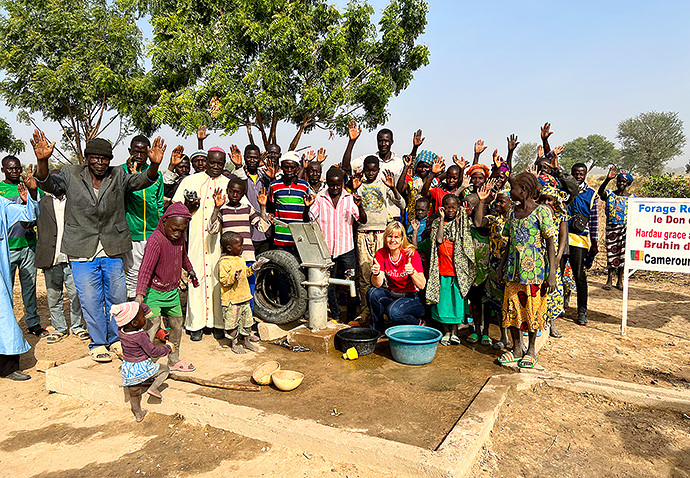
x=124, y=313
x=482, y=168
x=195, y=154
x=425, y=156
x=560, y=196
x=627, y=176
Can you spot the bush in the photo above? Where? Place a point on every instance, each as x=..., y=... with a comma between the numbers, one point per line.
x=665, y=186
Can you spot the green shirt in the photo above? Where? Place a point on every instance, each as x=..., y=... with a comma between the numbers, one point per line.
x=18, y=236
x=144, y=208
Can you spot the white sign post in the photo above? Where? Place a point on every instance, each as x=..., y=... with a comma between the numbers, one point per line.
x=658, y=239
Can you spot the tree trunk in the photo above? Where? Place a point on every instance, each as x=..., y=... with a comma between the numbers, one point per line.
x=248, y=124
x=298, y=135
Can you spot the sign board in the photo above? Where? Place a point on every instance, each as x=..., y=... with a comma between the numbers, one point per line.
x=658, y=239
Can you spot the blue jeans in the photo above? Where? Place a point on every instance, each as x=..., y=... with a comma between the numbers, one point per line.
x=100, y=284
x=405, y=310
x=56, y=277
x=23, y=259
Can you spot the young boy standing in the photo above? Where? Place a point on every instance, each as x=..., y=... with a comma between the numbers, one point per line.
x=159, y=278
x=379, y=195
x=336, y=211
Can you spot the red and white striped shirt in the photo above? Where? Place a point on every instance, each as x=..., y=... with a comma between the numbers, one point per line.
x=336, y=221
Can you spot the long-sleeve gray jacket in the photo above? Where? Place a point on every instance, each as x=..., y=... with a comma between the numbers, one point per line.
x=90, y=218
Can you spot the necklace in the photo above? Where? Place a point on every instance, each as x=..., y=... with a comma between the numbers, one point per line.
x=395, y=262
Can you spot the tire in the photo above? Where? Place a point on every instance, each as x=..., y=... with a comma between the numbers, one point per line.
x=281, y=274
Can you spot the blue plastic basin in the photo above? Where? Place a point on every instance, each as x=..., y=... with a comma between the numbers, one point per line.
x=413, y=344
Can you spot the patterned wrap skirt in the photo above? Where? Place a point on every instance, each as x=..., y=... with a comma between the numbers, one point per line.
x=554, y=302
x=524, y=306
x=134, y=373
x=615, y=245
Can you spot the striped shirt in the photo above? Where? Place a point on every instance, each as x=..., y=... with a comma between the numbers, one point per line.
x=336, y=222
x=239, y=219
x=289, y=204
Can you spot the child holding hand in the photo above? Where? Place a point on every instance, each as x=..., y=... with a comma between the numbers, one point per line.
x=137, y=352
x=235, y=294
x=452, y=268
x=530, y=258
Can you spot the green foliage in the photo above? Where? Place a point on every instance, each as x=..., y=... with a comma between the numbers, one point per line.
x=8, y=143
x=76, y=62
x=525, y=155
x=649, y=140
x=251, y=64
x=665, y=186
x=594, y=150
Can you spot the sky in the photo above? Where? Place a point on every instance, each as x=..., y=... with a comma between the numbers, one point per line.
x=502, y=67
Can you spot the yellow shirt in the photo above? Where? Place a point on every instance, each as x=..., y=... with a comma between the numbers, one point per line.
x=234, y=291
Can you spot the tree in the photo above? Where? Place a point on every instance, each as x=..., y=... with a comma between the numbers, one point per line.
x=247, y=64
x=76, y=62
x=8, y=143
x=525, y=155
x=594, y=150
x=665, y=186
x=649, y=140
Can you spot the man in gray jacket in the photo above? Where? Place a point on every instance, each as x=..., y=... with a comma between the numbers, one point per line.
x=96, y=234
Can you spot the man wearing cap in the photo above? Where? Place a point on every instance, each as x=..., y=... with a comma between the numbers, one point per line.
x=144, y=209
x=286, y=200
x=96, y=234
x=203, y=302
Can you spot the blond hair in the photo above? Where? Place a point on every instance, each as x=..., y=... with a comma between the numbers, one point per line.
x=397, y=226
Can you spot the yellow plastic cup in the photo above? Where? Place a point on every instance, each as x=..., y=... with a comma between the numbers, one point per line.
x=351, y=354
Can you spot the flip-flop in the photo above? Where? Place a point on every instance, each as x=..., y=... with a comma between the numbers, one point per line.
x=508, y=357
x=55, y=337
x=472, y=338
x=101, y=354
x=81, y=334
x=486, y=340
x=607, y=287
x=455, y=340
x=445, y=340
x=182, y=366
x=527, y=362
x=39, y=331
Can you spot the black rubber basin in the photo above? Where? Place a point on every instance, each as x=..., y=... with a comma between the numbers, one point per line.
x=363, y=339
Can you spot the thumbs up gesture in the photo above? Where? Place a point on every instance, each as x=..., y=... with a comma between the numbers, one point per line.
x=408, y=267
x=375, y=268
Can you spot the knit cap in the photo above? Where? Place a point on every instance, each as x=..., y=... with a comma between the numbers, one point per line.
x=99, y=147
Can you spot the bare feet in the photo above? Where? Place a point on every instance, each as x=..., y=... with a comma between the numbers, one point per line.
x=619, y=287
x=553, y=332
x=236, y=347
x=140, y=416
x=248, y=345
x=154, y=393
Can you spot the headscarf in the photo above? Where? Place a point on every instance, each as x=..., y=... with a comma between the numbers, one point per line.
x=560, y=197
x=425, y=156
x=124, y=313
x=627, y=176
x=482, y=168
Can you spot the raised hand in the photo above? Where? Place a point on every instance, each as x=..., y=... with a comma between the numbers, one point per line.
x=356, y=181
x=558, y=149
x=262, y=197
x=42, y=148
x=466, y=181
x=497, y=158
x=417, y=139
x=484, y=192
x=305, y=162
x=157, y=150
x=235, y=155
x=442, y=211
x=467, y=206
x=270, y=170
x=438, y=165
x=479, y=147
x=218, y=197
x=462, y=164
x=201, y=133
x=357, y=199
x=409, y=268
x=176, y=156
x=308, y=200
x=415, y=225
x=311, y=154
x=388, y=178
x=29, y=179
x=540, y=151
x=375, y=267
x=546, y=131
x=408, y=160
x=321, y=155
x=613, y=171
x=512, y=142
x=353, y=130
x=554, y=160
x=533, y=169
x=23, y=193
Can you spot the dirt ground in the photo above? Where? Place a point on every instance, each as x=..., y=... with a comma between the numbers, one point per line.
x=46, y=434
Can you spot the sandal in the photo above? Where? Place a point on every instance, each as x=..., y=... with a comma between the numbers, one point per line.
x=55, y=337
x=39, y=331
x=527, y=362
x=101, y=355
x=607, y=287
x=454, y=339
x=486, y=340
x=445, y=340
x=508, y=357
x=498, y=345
x=472, y=338
x=182, y=366
x=81, y=334
x=116, y=348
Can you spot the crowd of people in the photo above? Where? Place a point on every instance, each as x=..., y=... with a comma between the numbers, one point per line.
x=145, y=254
